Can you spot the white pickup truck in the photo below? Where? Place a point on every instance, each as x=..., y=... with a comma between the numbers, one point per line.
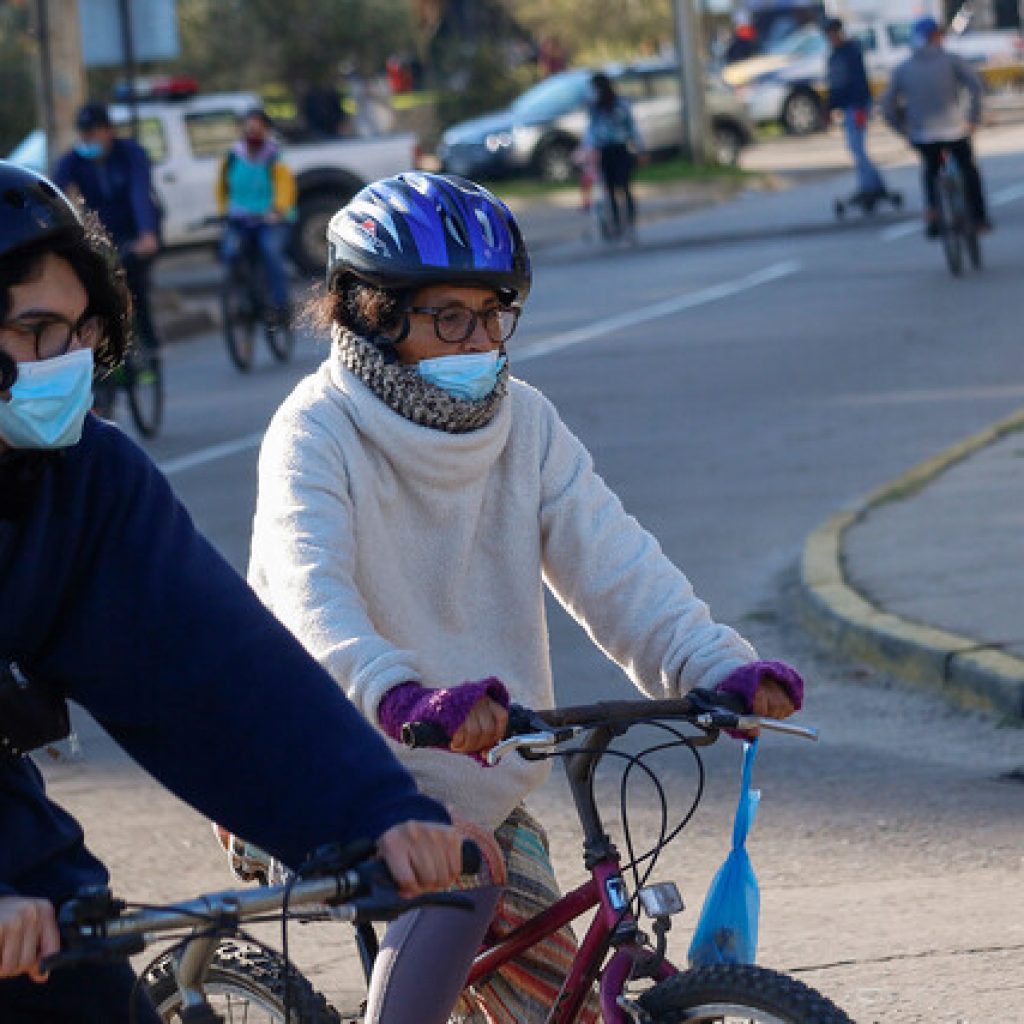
x=186, y=139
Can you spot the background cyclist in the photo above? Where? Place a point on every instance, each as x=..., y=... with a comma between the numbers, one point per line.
x=114, y=179
x=924, y=103
x=414, y=498
x=257, y=192
x=112, y=598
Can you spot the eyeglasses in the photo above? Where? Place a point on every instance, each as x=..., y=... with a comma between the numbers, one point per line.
x=456, y=323
x=52, y=334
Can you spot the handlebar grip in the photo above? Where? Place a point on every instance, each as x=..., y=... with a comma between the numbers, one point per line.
x=424, y=734
x=120, y=947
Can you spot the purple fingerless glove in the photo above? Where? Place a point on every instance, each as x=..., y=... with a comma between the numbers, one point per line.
x=745, y=680
x=448, y=708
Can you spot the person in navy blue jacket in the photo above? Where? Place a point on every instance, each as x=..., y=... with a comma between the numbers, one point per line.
x=114, y=179
x=110, y=596
x=850, y=93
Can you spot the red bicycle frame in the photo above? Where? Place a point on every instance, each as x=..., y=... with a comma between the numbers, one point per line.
x=605, y=891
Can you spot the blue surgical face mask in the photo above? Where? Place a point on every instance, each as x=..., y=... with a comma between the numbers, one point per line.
x=472, y=376
x=49, y=402
x=90, y=150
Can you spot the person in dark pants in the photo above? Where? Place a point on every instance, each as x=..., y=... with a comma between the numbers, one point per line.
x=111, y=597
x=850, y=94
x=113, y=178
x=613, y=133
x=923, y=103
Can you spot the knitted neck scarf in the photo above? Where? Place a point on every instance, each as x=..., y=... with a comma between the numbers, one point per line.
x=401, y=388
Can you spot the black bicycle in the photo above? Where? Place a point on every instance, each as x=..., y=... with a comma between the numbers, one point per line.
x=630, y=966
x=141, y=377
x=216, y=973
x=957, y=227
x=246, y=309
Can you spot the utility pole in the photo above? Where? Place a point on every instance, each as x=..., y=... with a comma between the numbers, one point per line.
x=60, y=75
x=690, y=53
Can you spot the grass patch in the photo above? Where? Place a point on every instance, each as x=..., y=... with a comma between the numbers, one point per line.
x=661, y=172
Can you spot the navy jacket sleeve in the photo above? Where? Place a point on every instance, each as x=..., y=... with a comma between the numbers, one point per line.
x=141, y=194
x=848, y=84
x=134, y=613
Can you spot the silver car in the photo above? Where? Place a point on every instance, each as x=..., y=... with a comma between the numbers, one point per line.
x=542, y=129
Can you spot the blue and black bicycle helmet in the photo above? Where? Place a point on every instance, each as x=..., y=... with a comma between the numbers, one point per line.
x=32, y=209
x=417, y=229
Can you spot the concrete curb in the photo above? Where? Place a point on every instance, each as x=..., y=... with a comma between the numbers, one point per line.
x=970, y=673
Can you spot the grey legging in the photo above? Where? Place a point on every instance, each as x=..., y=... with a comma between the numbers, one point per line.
x=438, y=944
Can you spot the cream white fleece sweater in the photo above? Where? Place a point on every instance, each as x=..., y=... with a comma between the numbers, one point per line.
x=397, y=552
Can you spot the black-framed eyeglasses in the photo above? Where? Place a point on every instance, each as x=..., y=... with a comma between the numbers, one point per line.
x=52, y=334
x=456, y=323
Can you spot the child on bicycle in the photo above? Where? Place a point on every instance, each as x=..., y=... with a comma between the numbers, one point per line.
x=414, y=498
x=111, y=597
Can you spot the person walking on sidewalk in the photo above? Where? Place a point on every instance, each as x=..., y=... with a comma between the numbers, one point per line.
x=923, y=102
x=850, y=94
x=613, y=133
x=113, y=178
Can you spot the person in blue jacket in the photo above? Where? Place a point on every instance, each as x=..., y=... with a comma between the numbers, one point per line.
x=110, y=596
x=850, y=93
x=114, y=179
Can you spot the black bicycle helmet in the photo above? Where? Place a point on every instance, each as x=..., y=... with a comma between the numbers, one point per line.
x=417, y=229
x=32, y=209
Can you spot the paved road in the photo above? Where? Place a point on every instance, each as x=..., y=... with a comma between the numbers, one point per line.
x=738, y=377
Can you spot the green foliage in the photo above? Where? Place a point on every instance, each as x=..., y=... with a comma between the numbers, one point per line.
x=596, y=30
x=244, y=44
x=17, y=90
x=477, y=80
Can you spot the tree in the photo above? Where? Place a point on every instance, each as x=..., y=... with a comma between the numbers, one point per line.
x=17, y=91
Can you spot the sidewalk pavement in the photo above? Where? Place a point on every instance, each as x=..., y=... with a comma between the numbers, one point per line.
x=923, y=578
x=909, y=579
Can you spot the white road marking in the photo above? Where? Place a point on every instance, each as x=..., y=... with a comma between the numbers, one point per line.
x=679, y=304
x=901, y=231
x=1007, y=195
x=183, y=463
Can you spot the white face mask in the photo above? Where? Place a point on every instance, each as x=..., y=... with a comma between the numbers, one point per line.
x=471, y=376
x=49, y=402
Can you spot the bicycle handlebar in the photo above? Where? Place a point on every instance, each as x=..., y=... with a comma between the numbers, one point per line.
x=526, y=727
x=94, y=927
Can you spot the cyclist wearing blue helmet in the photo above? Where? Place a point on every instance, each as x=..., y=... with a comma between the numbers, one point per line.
x=923, y=102
x=414, y=498
x=111, y=597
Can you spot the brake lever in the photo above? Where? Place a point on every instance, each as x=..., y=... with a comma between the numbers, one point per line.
x=527, y=742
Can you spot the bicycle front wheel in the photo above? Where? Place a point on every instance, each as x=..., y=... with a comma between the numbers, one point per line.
x=146, y=391
x=952, y=227
x=239, y=324
x=735, y=993
x=244, y=982
x=280, y=337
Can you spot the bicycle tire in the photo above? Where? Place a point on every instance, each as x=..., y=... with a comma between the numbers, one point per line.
x=280, y=340
x=248, y=976
x=239, y=324
x=728, y=992
x=951, y=227
x=146, y=391
x=973, y=246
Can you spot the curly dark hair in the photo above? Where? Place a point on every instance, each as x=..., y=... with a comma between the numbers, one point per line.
x=93, y=258
x=371, y=312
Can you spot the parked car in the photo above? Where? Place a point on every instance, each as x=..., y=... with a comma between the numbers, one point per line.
x=186, y=138
x=787, y=85
x=540, y=131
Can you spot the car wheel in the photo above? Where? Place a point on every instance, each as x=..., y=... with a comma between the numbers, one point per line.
x=554, y=162
x=308, y=246
x=727, y=143
x=802, y=113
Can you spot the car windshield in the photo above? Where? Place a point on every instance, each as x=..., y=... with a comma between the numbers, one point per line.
x=555, y=95
x=802, y=43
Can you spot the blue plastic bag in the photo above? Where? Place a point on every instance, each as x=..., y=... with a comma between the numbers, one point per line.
x=727, y=930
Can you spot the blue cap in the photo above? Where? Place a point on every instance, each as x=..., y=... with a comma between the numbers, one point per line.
x=923, y=29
